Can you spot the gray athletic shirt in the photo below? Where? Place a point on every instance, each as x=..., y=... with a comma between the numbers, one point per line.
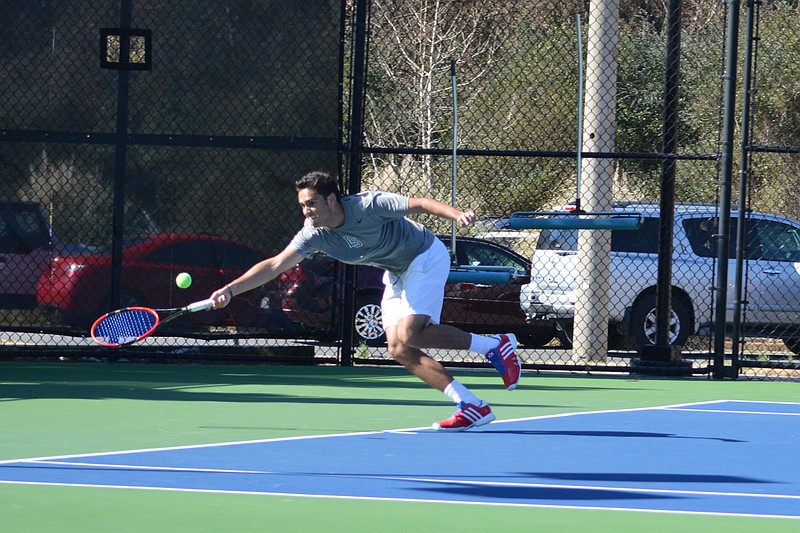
x=375, y=232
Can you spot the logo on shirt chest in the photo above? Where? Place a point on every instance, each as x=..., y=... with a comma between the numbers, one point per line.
x=352, y=242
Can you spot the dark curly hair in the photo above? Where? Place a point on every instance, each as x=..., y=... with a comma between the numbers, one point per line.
x=322, y=182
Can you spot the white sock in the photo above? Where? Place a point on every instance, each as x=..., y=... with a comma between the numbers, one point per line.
x=481, y=344
x=459, y=393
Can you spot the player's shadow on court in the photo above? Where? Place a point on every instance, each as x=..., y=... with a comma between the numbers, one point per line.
x=611, y=434
x=489, y=493
x=641, y=477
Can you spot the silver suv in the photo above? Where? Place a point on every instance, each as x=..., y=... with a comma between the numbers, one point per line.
x=771, y=251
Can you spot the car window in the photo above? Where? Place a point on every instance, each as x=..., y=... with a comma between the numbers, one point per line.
x=197, y=253
x=22, y=230
x=766, y=240
x=9, y=243
x=642, y=240
x=237, y=257
x=700, y=232
x=557, y=239
x=772, y=241
x=479, y=254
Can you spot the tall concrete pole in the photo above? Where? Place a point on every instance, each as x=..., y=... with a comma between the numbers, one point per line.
x=590, y=327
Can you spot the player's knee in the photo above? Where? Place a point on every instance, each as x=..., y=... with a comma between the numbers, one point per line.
x=406, y=341
x=409, y=335
x=397, y=349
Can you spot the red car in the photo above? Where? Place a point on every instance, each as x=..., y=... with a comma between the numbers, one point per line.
x=78, y=286
x=308, y=291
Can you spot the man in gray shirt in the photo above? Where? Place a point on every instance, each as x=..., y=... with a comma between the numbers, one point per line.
x=372, y=228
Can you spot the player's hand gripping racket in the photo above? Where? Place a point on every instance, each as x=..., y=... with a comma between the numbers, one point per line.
x=132, y=324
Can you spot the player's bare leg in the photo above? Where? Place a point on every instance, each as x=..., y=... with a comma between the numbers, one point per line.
x=417, y=331
x=472, y=411
x=417, y=362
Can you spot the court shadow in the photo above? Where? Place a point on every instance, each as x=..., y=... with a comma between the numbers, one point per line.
x=611, y=434
x=216, y=383
x=491, y=492
x=642, y=477
x=186, y=393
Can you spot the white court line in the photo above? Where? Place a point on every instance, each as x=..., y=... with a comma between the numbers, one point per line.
x=766, y=402
x=729, y=411
x=413, y=500
x=112, y=466
x=441, y=481
x=418, y=500
x=412, y=430
x=190, y=446
x=740, y=411
x=683, y=406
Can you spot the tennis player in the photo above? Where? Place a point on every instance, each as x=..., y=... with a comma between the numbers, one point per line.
x=372, y=228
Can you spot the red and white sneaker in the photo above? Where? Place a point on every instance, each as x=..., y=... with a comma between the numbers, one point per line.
x=468, y=416
x=505, y=360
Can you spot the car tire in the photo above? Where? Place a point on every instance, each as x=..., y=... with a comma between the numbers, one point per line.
x=792, y=344
x=536, y=340
x=368, y=320
x=128, y=299
x=616, y=341
x=642, y=330
x=564, y=334
x=132, y=299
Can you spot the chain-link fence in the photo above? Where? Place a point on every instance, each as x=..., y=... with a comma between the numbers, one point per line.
x=143, y=140
x=653, y=84
x=530, y=79
x=140, y=141
x=769, y=337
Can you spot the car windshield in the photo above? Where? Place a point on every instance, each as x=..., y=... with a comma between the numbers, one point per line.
x=22, y=229
x=558, y=239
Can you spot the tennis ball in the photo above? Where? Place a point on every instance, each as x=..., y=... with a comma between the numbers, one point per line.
x=183, y=280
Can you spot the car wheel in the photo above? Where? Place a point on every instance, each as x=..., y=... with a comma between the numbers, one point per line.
x=564, y=334
x=793, y=344
x=128, y=299
x=537, y=340
x=642, y=329
x=368, y=320
x=616, y=341
x=132, y=299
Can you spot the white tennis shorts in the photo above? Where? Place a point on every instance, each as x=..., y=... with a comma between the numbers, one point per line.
x=420, y=289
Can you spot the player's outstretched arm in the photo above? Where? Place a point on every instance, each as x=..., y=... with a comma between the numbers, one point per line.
x=258, y=275
x=429, y=206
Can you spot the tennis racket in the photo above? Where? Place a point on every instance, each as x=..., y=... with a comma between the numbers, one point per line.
x=132, y=324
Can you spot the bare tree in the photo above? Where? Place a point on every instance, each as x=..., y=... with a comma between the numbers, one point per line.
x=409, y=102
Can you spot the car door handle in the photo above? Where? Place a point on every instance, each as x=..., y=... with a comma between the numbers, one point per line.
x=772, y=271
x=472, y=286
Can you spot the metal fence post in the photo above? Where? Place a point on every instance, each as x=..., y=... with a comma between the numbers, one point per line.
x=723, y=236
x=120, y=161
x=353, y=172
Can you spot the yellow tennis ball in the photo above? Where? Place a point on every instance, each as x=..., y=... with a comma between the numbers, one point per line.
x=183, y=280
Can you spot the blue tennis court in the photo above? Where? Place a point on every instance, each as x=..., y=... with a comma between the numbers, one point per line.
x=722, y=457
